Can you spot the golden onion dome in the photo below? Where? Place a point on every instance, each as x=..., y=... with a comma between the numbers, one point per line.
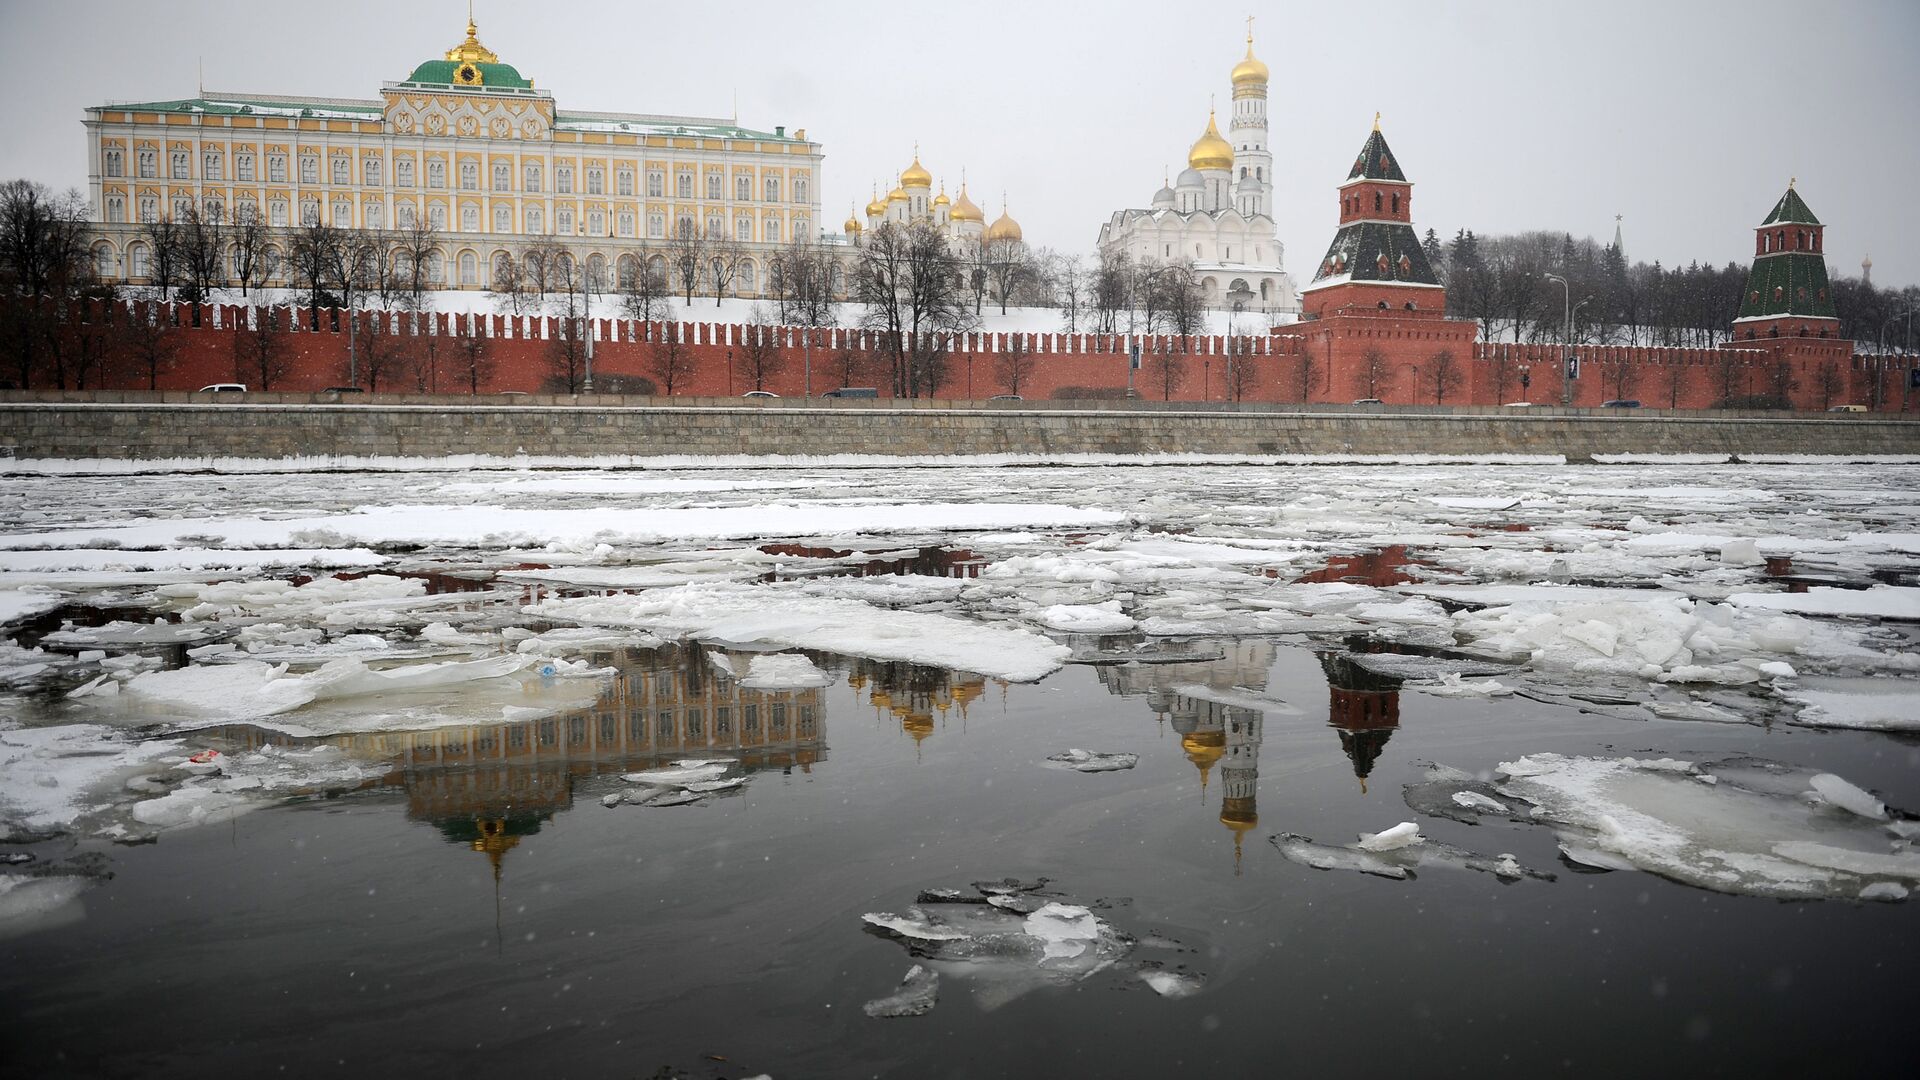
x=878, y=207
x=898, y=194
x=1250, y=72
x=852, y=226
x=964, y=210
x=916, y=176
x=1004, y=227
x=1211, y=151
x=941, y=199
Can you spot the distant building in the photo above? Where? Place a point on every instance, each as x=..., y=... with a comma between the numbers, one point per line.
x=466, y=145
x=913, y=199
x=1219, y=213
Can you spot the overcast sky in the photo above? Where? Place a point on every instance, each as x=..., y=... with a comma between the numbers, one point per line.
x=1687, y=117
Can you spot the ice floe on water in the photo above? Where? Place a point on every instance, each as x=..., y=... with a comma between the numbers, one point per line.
x=779, y=614
x=1008, y=938
x=1092, y=761
x=1739, y=825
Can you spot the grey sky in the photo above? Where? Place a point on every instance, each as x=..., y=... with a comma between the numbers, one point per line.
x=1687, y=117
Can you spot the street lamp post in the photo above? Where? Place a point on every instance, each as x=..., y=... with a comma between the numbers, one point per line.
x=1566, y=336
x=1526, y=380
x=586, y=283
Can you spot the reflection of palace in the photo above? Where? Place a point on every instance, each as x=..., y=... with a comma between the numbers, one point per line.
x=913, y=693
x=1211, y=732
x=490, y=784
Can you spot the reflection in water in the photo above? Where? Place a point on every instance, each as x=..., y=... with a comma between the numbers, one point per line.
x=1362, y=706
x=927, y=561
x=489, y=785
x=912, y=693
x=1381, y=568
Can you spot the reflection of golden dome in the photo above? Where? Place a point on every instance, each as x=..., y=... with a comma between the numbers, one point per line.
x=1204, y=748
x=964, y=210
x=495, y=841
x=1249, y=72
x=917, y=724
x=881, y=699
x=1210, y=151
x=1239, y=816
x=915, y=176
x=857, y=680
x=1004, y=227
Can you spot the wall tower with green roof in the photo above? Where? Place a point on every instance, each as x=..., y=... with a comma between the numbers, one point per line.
x=1787, y=294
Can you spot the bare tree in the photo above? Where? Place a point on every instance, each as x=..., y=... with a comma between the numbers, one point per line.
x=852, y=366
x=1308, y=367
x=383, y=351
x=1008, y=267
x=1676, y=379
x=473, y=359
x=1240, y=375
x=671, y=361
x=1828, y=382
x=507, y=282
x=725, y=259
x=1446, y=373
x=1110, y=291
x=259, y=349
x=646, y=295
x=45, y=269
x=311, y=258
x=1015, y=364
x=248, y=242
x=1177, y=292
x=410, y=255
x=1071, y=289
x=567, y=348
x=759, y=353
x=1167, y=370
x=150, y=341
x=1373, y=368
x=800, y=279
x=202, y=247
x=910, y=284
x=1781, y=383
x=687, y=255
x=1622, y=375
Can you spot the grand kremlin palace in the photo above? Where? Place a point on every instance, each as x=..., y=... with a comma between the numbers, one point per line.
x=466, y=145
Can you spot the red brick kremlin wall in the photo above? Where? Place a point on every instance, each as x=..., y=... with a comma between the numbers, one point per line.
x=1078, y=365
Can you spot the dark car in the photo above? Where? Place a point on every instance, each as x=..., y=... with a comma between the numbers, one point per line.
x=1006, y=397
x=343, y=390
x=1620, y=403
x=853, y=392
x=1368, y=401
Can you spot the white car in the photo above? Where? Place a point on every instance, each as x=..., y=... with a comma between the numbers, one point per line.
x=224, y=388
x=1518, y=405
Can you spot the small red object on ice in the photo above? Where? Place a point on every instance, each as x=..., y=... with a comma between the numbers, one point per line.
x=204, y=756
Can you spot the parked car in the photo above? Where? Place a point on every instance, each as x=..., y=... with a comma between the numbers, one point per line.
x=853, y=392
x=1518, y=405
x=1848, y=408
x=1368, y=401
x=224, y=388
x=1006, y=397
x=514, y=393
x=343, y=390
x=760, y=393
x=1620, y=403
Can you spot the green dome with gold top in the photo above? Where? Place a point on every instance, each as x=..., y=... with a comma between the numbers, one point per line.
x=470, y=64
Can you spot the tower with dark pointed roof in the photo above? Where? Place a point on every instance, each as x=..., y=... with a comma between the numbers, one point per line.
x=1375, y=260
x=1788, y=295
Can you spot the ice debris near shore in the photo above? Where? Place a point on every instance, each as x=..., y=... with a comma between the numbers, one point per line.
x=919, y=992
x=250, y=689
x=683, y=783
x=1743, y=825
x=1010, y=937
x=1396, y=853
x=1092, y=761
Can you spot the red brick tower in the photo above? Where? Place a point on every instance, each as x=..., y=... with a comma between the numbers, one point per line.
x=1373, y=320
x=1788, y=295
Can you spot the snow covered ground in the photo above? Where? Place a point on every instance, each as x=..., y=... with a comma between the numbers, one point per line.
x=408, y=599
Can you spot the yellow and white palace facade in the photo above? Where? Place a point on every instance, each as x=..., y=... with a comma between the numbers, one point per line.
x=465, y=145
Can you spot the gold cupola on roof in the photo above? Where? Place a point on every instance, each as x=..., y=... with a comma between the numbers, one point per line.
x=1210, y=151
x=916, y=176
x=963, y=208
x=941, y=199
x=853, y=223
x=1249, y=72
x=878, y=206
x=1003, y=227
x=898, y=194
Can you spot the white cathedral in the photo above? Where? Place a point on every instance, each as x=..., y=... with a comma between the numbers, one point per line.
x=1219, y=213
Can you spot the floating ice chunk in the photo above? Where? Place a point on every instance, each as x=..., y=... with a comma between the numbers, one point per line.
x=919, y=992
x=1303, y=850
x=1171, y=984
x=191, y=805
x=1452, y=685
x=1883, y=601
x=1065, y=930
x=721, y=663
x=1093, y=761
x=1884, y=890
x=1399, y=836
x=1884, y=704
x=51, y=776
x=1740, y=553
x=249, y=688
x=18, y=604
x=683, y=773
x=1865, y=863
x=783, y=671
x=1595, y=858
x=1473, y=800
x=1848, y=797
x=29, y=903
x=785, y=616
x=1748, y=834
x=916, y=929
x=1106, y=618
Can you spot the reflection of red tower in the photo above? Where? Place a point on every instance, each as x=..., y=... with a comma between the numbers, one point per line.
x=1381, y=568
x=1363, y=707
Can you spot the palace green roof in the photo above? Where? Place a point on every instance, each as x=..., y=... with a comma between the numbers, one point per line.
x=442, y=72
x=243, y=106
x=1788, y=283
x=1791, y=210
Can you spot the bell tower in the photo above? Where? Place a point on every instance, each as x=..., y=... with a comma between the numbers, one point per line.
x=1252, y=160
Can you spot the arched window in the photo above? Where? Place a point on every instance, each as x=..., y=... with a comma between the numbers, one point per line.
x=626, y=270
x=1396, y=202
x=597, y=271
x=103, y=260
x=137, y=261
x=436, y=268
x=502, y=267
x=469, y=269
x=746, y=276
x=470, y=218
x=1376, y=201
x=502, y=219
